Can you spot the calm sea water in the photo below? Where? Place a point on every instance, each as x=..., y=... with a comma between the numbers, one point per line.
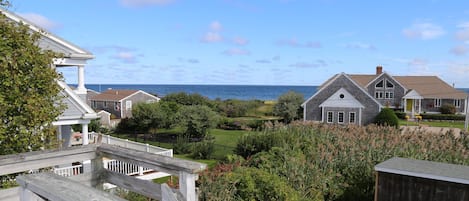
x=242, y=92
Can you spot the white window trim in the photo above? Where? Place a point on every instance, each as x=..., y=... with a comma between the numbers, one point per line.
x=457, y=103
x=338, y=117
x=384, y=84
x=354, y=118
x=327, y=117
x=437, y=102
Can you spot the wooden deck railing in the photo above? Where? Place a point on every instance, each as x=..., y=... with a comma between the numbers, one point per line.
x=95, y=174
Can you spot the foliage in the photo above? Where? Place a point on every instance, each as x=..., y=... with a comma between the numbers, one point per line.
x=237, y=108
x=289, y=107
x=196, y=120
x=400, y=115
x=247, y=183
x=203, y=149
x=251, y=144
x=454, y=117
x=182, y=145
x=126, y=125
x=94, y=125
x=183, y=98
x=448, y=109
x=336, y=162
x=387, y=117
x=29, y=95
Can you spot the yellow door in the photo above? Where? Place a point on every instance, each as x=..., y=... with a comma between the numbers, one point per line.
x=409, y=105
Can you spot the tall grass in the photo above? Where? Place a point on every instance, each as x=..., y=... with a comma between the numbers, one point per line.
x=337, y=162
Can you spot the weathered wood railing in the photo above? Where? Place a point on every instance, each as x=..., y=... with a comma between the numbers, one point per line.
x=96, y=175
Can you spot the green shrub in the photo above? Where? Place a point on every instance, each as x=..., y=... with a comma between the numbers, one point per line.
x=203, y=149
x=251, y=144
x=454, y=117
x=182, y=145
x=448, y=109
x=387, y=117
x=400, y=115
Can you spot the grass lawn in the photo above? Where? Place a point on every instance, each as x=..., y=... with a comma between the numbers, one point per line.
x=225, y=142
x=449, y=124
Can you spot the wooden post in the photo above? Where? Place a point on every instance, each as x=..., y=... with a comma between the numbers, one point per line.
x=28, y=195
x=97, y=178
x=376, y=186
x=187, y=185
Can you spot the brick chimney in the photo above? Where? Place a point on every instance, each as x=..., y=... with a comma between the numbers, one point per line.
x=379, y=70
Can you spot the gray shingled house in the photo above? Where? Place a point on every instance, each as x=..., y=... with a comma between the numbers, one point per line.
x=119, y=102
x=357, y=99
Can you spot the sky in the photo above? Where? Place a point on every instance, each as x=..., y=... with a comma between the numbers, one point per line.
x=263, y=42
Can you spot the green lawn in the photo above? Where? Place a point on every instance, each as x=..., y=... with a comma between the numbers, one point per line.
x=225, y=142
x=449, y=124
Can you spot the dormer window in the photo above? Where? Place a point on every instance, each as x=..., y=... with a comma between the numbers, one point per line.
x=380, y=84
x=389, y=84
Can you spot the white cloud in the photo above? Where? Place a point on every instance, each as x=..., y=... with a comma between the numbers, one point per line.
x=216, y=26
x=240, y=41
x=127, y=57
x=236, y=51
x=360, y=45
x=459, y=50
x=424, y=31
x=318, y=63
x=40, y=21
x=463, y=33
x=211, y=37
x=293, y=42
x=143, y=3
x=263, y=61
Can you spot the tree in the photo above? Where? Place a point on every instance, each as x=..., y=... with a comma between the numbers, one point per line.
x=448, y=109
x=196, y=120
x=387, y=117
x=151, y=116
x=288, y=106
x=29, y=94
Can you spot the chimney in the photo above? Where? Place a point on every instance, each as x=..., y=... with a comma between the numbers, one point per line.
x=379, y=70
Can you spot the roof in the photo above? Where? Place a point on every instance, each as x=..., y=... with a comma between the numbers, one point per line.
x=76, y=107
x=430, y=87
x=425, y=169
x=113, y=95
x=362, y=80
x=49, y=41
x=425, y=86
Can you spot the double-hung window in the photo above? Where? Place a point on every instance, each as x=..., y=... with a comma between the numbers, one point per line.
x=340, y=117
x=330, y=117
x=437, y=102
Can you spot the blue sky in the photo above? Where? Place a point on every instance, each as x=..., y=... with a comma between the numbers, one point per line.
x=264, y=42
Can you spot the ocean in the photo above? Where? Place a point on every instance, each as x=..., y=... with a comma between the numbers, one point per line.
x=241, y=92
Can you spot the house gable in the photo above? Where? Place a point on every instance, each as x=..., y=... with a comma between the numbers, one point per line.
x=73, y=55
x=342, y=99
x=77, y=111
x=386, y=90
x=313, y=110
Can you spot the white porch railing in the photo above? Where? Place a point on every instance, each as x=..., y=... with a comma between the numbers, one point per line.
x=115, y=165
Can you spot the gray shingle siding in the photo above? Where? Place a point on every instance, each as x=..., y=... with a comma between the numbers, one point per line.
x=314, y=113
x=398, y=92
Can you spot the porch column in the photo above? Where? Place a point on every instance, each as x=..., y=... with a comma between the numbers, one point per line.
x=405, y=105
x=81, y=80
x=413, y=108
x=420, y=106
x=84, y=134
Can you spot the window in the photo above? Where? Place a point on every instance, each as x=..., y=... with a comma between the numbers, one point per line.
x=105, y=104
x=351, y=117
x=457, y=103
x=341, y=117
x=437, y=102
x=116, y=106
x=128, y=104
x=93, y=104
x=389, y=84
x=330, y=117
x=379, y=94
x=389, y=95
x=380, y=84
